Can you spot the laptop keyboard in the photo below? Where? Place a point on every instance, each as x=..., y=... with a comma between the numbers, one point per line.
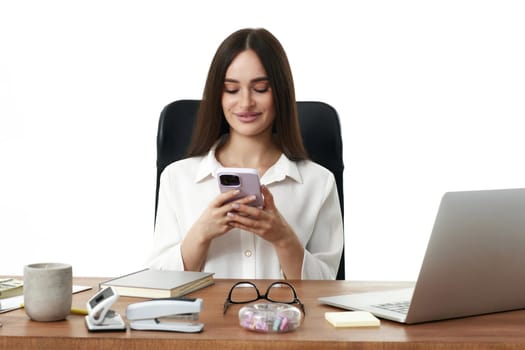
x=400, y=307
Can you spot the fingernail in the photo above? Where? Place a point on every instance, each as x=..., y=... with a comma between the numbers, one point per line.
x=229, y=214
x=236, y=206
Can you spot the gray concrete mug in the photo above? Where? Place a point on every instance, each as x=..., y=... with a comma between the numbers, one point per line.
x=48, y=291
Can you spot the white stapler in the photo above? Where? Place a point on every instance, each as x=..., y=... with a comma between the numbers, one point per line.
x=170, y=314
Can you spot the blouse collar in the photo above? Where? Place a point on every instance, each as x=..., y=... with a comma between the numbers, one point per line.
x=282, y=169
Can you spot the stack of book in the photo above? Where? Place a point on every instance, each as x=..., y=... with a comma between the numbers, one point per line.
x=151, y=283
x=11, y=287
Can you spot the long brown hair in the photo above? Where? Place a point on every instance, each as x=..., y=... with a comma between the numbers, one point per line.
x=211, y=123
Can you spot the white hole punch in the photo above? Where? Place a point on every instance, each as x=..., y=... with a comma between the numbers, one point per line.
x=100, y=316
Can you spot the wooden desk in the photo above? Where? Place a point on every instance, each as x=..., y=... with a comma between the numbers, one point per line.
x=496, y=331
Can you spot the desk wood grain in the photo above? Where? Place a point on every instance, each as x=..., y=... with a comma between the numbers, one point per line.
x=495, y=331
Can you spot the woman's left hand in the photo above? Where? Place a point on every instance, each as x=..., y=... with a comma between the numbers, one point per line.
x=265, y=222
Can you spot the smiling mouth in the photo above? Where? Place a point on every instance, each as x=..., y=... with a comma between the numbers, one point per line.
x=247, y=117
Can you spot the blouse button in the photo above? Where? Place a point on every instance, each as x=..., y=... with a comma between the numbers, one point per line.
x=247, y=253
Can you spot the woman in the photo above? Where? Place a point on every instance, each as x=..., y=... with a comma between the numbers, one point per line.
x=248, y=119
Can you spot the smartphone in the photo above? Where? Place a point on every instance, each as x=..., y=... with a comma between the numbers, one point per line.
x=246, y=180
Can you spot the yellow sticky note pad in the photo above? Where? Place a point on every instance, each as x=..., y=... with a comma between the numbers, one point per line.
x=352, y=319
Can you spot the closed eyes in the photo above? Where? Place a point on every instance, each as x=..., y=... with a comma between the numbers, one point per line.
x=257, y=86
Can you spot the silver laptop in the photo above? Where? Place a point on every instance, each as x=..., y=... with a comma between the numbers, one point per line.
x=474, y=263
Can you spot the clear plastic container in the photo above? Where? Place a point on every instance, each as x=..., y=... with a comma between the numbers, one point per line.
x=270, y=317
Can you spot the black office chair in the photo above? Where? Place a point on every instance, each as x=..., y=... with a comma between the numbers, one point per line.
x=320, y=129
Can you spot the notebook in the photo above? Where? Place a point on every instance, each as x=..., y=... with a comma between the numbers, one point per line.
x=474, y=263
x=13, y=303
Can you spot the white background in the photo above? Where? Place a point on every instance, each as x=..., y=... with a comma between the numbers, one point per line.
x=431, y=95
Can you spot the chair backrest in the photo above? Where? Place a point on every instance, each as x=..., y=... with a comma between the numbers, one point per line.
x=320, y=130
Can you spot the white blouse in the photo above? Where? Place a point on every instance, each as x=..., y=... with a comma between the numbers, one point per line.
x=304, y=192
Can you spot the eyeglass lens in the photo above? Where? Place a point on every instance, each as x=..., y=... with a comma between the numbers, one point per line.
x=244, y=293
x=282, y=293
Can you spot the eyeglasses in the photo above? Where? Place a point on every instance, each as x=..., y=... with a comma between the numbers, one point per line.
x=277, y=292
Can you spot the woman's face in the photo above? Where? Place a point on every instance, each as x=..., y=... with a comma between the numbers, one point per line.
x=247, y=99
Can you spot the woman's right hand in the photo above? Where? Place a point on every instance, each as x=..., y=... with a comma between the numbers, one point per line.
x=212, y=223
